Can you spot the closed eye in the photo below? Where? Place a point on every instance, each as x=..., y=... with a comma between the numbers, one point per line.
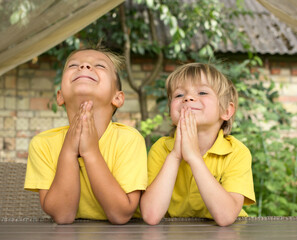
x=100, y=65
x=73, y=65
x=179, y=95
x=202, y=93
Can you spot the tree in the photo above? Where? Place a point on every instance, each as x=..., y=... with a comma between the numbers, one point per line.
x=159, y=29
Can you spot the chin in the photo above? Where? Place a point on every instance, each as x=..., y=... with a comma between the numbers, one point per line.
x=84, y=91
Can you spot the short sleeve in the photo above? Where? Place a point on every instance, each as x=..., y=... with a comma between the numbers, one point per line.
x=40, y=168
x=130, y=169
x=156, y=158
x=237, y=176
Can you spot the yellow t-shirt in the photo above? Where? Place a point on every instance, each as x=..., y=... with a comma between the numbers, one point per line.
x=228, y=160
x=122, y=147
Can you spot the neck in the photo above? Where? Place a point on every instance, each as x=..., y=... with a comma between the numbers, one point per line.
x=102, y=119
x=207, y=138
x=102, y=115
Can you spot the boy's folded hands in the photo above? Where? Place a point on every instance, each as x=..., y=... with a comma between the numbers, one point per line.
x=186, y=140
x=82, y=137
x=88, y=143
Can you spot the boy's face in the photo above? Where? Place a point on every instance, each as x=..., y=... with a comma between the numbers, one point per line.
x=89, y=73
x=201, y=99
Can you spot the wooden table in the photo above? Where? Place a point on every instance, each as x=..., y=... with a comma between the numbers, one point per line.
x=172, y=229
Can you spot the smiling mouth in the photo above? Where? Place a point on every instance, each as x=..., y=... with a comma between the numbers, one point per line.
x=84, y=77
x=195, y=109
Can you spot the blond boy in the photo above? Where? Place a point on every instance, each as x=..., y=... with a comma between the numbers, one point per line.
x=201, y=171
x=93, y=168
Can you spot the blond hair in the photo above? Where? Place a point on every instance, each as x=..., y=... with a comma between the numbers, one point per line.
x=117, y=61
x=223, y=87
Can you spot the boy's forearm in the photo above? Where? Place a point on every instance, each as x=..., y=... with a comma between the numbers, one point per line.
x=155, y=200
x=118, y=206
x=62, y=199
x=222, y=205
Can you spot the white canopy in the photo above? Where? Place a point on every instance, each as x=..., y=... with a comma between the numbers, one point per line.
x=30, y=29
x=285, y=10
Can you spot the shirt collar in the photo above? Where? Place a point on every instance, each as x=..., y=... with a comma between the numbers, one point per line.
x=221, y=146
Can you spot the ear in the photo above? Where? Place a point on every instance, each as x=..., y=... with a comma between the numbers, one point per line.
x=229, y=112
x=60, y=99
x=118, y=99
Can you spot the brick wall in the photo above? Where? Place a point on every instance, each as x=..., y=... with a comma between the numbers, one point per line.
x=27, y=91
x=285, y=76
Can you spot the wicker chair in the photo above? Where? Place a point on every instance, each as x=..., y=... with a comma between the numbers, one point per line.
x=17, y=204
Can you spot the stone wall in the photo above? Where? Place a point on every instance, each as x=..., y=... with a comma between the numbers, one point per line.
x=27, y=92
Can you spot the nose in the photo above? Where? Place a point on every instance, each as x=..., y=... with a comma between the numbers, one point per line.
x=85, y=66
x=188, y=99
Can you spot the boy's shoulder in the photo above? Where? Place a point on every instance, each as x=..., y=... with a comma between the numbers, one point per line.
x=165, y=142
x=53, y=133
x=164, y=139
x=236, y=144
x=124, y=130
x=233, y=140
x=123, y=127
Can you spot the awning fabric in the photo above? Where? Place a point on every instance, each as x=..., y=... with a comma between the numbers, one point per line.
x=285, y=10
x=43, y=25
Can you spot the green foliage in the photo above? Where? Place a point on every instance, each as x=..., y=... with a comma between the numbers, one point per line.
x=260, y=125
x=187, y=21
x=149, y=125
x=158, y=91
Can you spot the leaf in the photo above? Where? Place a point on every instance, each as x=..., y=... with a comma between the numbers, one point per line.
x=150, y=3
x=15, y=18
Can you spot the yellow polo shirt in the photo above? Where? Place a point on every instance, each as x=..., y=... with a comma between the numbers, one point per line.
x=122, y=147
x=228, y=160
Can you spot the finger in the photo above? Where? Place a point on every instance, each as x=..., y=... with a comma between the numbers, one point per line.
x=77, y=123
x=182, y=121
x=92, y=121
x=178, y=131
x=89, y=110
x=188, y=112
x=89, y=105
x=83, y=112
x=77, y=117
x=78, y=127
x=182, y=112
x=74, y=122
x=90, y=116
x=192, y=122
